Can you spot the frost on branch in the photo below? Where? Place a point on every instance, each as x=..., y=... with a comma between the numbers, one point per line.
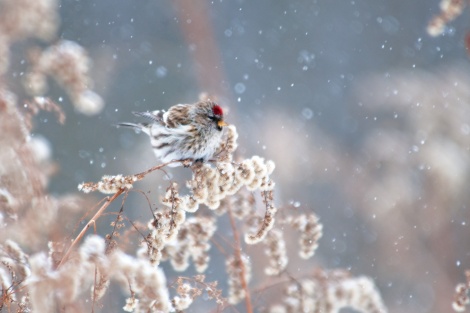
x=210, y=185
x=109, y=184
x=310, y=232
x=68, y=63
x=225, y=152
x=188, y=289
x=65, y=61
x=276, y=252
x=242, y=190
x=450, y=9
x=165, y=226
x=20, y=19
x=330, y=292
x=192, y=242
x=147, y=282
x=461, y=299
x=236, y=292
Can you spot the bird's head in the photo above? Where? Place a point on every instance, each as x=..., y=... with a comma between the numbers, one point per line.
x=217, y=115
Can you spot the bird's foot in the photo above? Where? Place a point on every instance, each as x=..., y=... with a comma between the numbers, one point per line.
x=187, y=162
x=198, y=162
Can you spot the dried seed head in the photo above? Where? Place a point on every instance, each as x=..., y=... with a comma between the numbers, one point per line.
x=310, y=232
x=276, y=252
x=236, y=292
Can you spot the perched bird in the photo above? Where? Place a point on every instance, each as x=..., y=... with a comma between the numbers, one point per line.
x=185, y=131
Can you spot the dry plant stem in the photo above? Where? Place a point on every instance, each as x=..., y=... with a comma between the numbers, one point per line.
x=94, y=291
x=158, y=167
x=92, y=221
x=274, y=283
x=105, y=205
x=219, y=247
x=238, y=256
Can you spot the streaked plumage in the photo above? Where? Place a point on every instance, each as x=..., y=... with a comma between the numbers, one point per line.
x=185, y=131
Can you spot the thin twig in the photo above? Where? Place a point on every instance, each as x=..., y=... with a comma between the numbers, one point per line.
x=106, y=204
x=148, y=201
x=92, y=209
x=94, y=291
x=159, y=167
x=219, y=247
x=88, y=225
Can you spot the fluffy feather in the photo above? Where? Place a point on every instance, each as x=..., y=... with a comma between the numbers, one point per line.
x=185, y=131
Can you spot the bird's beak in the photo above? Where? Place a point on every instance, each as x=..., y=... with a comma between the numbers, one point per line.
x=221, y=123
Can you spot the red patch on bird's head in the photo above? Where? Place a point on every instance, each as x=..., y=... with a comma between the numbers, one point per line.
x=217, y=110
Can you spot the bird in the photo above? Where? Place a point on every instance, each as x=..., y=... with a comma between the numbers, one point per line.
x=186, y=131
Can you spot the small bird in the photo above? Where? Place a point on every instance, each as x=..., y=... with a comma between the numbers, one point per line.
x=185, y=131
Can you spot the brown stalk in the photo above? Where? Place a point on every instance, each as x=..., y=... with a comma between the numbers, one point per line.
x=88, y=225
x=238, y=256
x=105, y=205
x=195, y=23
x=158, y=167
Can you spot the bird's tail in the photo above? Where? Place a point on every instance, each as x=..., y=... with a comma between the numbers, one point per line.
x=131, y=125
x=141, y=127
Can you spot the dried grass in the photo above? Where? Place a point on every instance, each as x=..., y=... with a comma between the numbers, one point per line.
x=75, y=276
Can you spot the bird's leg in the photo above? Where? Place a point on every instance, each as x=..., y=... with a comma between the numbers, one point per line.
x=198, y=162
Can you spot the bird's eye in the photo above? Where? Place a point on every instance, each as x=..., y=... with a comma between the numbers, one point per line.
x=212, y=117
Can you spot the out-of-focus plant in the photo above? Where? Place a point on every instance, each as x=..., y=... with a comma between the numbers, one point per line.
x=42, y=275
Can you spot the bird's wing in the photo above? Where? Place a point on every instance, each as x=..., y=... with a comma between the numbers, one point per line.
x=177, y=115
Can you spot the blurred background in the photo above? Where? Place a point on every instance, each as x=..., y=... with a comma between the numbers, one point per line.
x=366, y=116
